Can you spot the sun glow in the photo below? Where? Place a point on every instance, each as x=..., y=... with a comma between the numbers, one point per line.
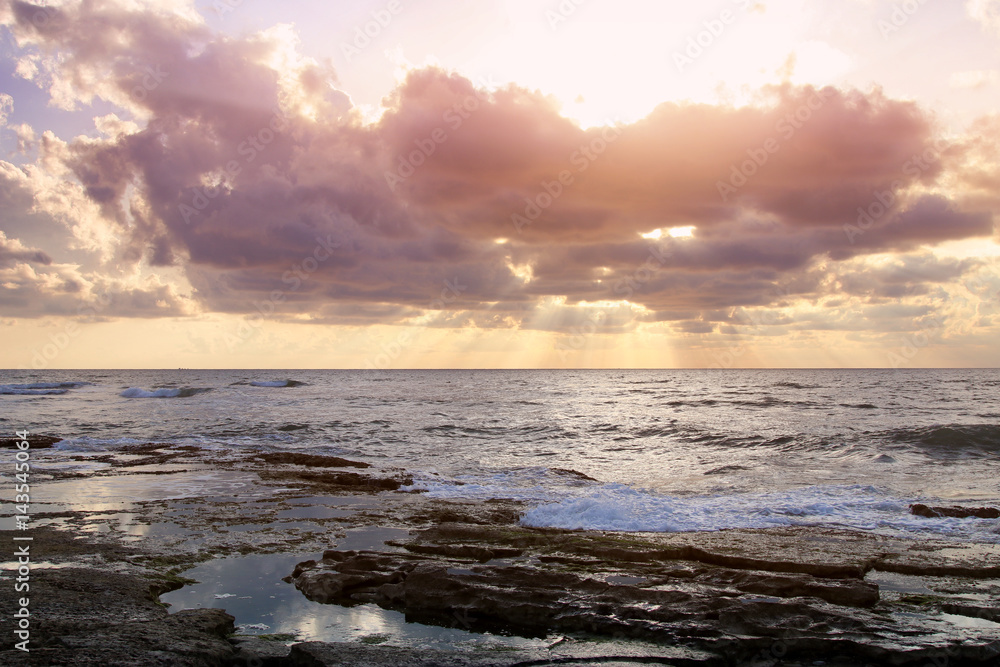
x=673, y=232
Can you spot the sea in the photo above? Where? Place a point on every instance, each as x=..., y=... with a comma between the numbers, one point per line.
x=621, y=450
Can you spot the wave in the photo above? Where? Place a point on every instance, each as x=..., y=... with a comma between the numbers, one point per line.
x=89, y=444
x=529, y=483
x=184, y=392
x=679, y=403
x=276, y=383
x=796, y=385
x=40, y=388
x=529, y=431
x=566, y=499
x=950, y=440
x=293, y=427
x=616, y=507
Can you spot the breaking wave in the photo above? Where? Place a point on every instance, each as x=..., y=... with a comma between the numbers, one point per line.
x=950, y=441
x=621, y=508
x=276, y=383
x=40, y=388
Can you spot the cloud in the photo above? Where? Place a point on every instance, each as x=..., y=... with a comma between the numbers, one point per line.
x=32, y=285
x=909, y=275
x=986, y=12
x=237, y=164
x=12, y=250
x=6, y=108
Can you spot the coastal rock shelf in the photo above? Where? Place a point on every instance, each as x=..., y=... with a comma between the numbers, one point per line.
x=664, y=589
x=115, y=530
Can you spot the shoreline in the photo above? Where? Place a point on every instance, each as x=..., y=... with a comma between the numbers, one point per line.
x=735, y=596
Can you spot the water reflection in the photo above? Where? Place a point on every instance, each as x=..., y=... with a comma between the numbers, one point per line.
x=250, y=588
x=122, y=492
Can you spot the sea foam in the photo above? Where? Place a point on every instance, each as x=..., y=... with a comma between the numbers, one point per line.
x=40, y=388
x=559, y=502
x=276, y=383
x=618, y=507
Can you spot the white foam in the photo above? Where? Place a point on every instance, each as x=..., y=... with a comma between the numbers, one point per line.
x=136, y=392
x=621, y=508
x=559, y=502
x=40, y=388
x=88, y=444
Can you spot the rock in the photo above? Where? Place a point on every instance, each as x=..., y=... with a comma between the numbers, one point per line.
x=310, y=460
x=320, y=654
x=725, y=470
x=189, y=638
x=559, y=585
x=259, y=652
x=653, y=548
x=490, y=513
x=355, y=480
x=734, y=596
x=847, y=592
x=339, y=482
x=956, y=512
x=480, y=554
x=536, y=600
x=973, y=611
x=935, y=569
x=566, y=472
x=567, y=652
x=826, y=570
x=92, y=617
x=36, y=441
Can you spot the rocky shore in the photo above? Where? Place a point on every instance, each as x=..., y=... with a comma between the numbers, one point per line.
x=791, y=596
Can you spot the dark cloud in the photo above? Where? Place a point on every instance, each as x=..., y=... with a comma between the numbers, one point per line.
x=12, y=251
x=268, y=192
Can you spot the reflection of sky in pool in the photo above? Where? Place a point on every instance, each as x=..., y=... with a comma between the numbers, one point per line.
x=250, y=588
x=120, y=492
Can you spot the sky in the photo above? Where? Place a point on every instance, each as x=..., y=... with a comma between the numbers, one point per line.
x=499, y=184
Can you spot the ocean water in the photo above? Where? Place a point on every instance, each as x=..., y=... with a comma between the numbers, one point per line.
x=667, y=450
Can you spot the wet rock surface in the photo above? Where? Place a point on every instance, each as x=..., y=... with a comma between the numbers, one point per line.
x=920, y=509
x=662, y=589
x=311, y=460
x=35, y=441
x=340, y=482
x=107, y=616
x=789, y=596
x=319, y=654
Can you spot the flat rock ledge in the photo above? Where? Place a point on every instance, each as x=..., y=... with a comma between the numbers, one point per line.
x=95, y=618
x=732, y=607
x=784, y=597
x=919, y=509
